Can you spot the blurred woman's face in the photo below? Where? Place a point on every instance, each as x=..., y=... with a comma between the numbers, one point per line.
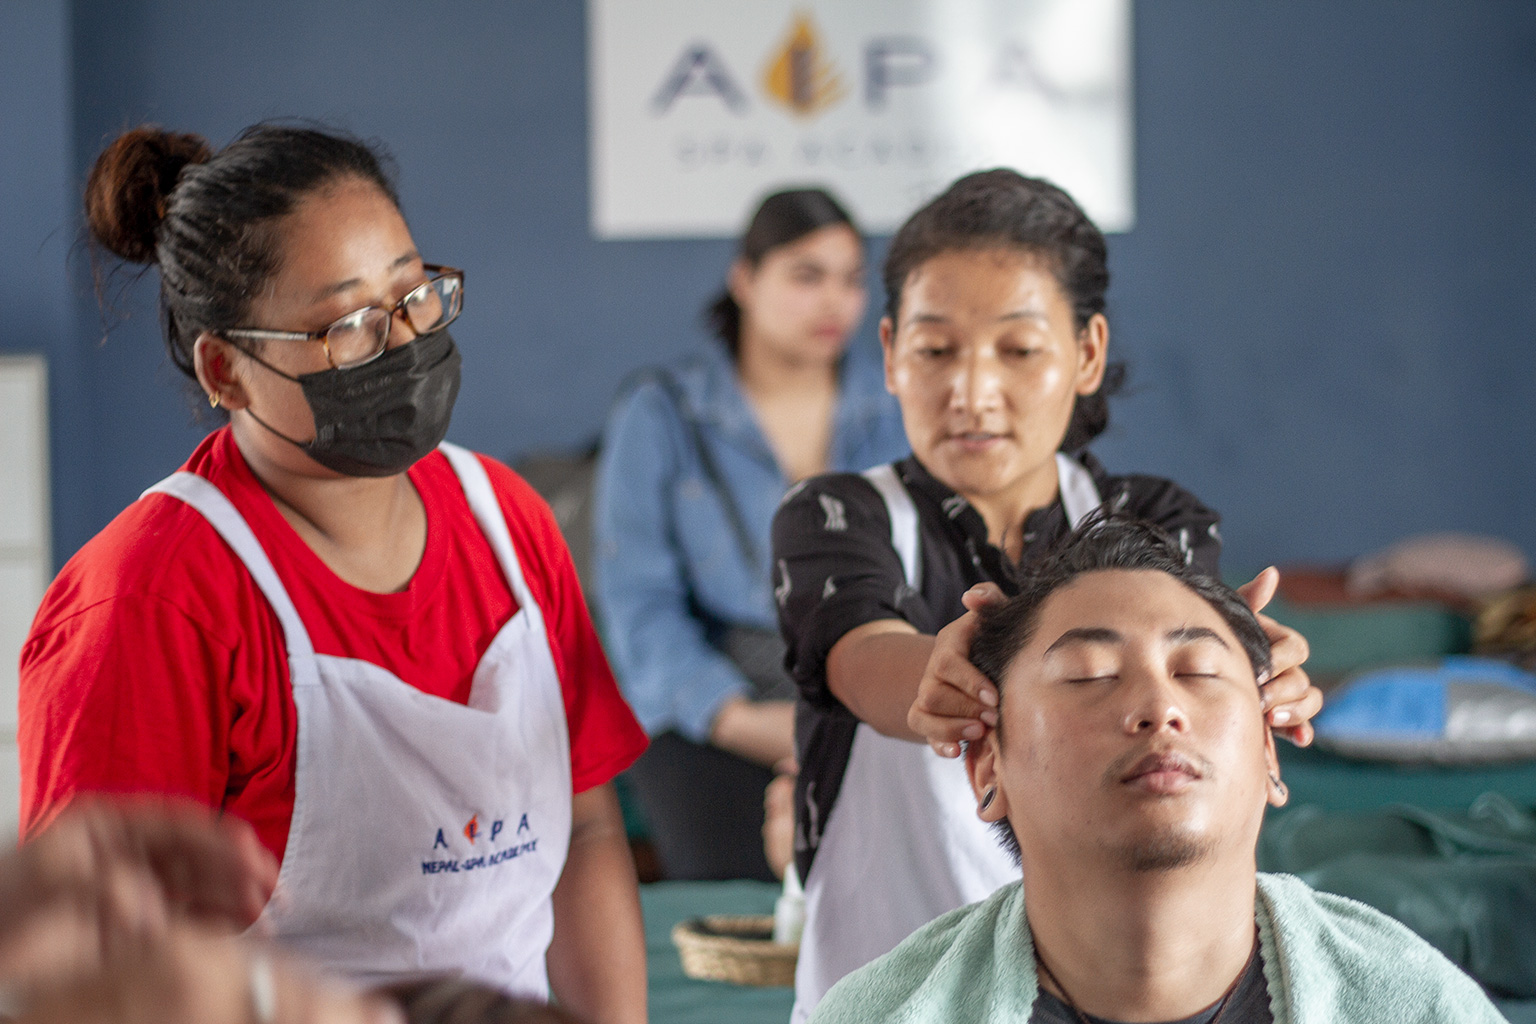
x=987, y=364
x=803, y=300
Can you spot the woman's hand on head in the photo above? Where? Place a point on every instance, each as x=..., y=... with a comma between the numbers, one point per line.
x=1289, y=699
x=955, y=702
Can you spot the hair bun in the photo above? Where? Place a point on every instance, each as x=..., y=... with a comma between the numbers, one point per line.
x=126, y=193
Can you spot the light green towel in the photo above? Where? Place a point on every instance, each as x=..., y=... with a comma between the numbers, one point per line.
x=1327, y=960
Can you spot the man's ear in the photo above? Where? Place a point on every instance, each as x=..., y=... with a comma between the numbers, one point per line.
x=888, y=348
x=1278, y=793
x=213, y=359
x=981, y=757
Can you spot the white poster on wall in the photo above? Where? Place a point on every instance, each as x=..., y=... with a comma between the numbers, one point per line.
x=700, y=107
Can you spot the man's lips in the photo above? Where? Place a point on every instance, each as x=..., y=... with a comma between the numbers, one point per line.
x=1167, y=772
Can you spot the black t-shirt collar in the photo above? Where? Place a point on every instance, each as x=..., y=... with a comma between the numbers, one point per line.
x=948, y=511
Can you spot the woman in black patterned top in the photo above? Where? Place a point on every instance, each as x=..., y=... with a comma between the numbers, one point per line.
x=996, y=347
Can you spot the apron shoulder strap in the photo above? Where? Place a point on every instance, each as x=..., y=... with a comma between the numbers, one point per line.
x=222, y=515
x=903, y=513
x=487, y=512
x=1079, y=494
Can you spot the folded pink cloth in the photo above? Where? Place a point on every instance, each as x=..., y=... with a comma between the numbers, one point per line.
x=1457, y=564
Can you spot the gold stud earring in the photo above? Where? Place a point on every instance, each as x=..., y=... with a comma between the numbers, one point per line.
x=213, y=400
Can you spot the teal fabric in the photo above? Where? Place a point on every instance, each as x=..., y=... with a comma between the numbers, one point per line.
x=1337, y=783
x=1463, y=880
x=1349, y=638
x=1326, y=960
x=677, y=999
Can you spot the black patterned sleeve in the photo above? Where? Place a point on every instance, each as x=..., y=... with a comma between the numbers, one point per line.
x=834, y=570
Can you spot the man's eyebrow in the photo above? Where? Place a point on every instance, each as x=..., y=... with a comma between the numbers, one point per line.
x=1086, y=635
x=1189, y=634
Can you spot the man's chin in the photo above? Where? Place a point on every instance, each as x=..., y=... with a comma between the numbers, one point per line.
x=1165, y=850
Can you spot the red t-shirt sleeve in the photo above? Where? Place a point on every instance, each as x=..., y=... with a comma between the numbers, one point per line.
x=155, y=665
x=98, y=715
x=605, y=737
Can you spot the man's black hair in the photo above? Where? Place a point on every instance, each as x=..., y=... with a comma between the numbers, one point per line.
x=1104, y=541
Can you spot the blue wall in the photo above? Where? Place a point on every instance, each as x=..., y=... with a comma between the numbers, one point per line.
x=1322, y=301
x=37, y=236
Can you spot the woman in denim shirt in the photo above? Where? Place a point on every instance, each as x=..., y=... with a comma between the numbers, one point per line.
x=694, y=461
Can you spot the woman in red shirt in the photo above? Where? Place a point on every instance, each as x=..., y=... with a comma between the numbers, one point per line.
x=368, y=644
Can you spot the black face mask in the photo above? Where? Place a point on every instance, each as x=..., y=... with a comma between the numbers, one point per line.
x=378, y=419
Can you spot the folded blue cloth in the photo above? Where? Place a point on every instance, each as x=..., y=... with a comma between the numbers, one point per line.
x=1464, y=710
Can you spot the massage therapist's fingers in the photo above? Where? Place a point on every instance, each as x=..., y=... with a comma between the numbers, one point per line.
x=1260, y=590
x=1290, y=702
x=1288, y=649
x=955, y=702
x=1289, y=698
x=1302, y=735
x=982, y=595
x=1293, y=719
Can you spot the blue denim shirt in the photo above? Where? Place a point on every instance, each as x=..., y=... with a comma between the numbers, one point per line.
x=665, y=550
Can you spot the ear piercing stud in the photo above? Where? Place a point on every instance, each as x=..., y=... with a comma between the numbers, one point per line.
x=987, y=798
x=1280, y=786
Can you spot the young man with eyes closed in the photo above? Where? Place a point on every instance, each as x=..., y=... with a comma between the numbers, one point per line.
x=1129, y=771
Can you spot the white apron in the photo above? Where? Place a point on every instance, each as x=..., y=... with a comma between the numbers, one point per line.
x=902, y=844
x=427, y=836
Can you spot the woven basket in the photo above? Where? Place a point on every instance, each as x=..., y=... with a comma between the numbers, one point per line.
x=737, y=949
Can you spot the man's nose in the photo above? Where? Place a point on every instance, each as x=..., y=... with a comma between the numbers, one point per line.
x=1156, y=703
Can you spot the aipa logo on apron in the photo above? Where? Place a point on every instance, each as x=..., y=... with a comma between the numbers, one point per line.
x=523, y=841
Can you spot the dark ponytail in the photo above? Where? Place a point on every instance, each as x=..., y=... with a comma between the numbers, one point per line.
x=208, y=221
x=782, y=218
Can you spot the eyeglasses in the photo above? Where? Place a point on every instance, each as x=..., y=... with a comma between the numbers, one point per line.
x=362, y=335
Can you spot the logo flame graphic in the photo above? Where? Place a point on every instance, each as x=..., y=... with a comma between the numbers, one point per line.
x=799, y=75
x=472, y=829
